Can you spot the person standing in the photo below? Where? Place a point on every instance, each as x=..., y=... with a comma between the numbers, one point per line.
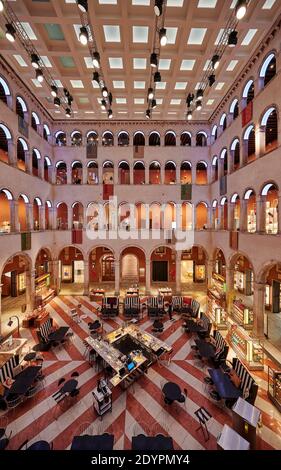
x=170, y=310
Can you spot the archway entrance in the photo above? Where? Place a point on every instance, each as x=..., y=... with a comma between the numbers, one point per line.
x=132, y=265
x=43, y=290
x=102, y=268
x=71, y=271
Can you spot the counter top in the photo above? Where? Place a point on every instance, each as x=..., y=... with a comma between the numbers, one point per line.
x=231, y=440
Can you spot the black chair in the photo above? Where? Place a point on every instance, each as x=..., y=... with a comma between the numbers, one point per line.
x=4, y=443
x=203, y=416
x=61, y=381
x=75, y=374
x=74, y=392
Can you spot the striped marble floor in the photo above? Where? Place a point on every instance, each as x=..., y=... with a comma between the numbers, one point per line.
x=136, y=410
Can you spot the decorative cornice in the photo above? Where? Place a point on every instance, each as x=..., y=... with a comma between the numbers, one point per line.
x=146, y=123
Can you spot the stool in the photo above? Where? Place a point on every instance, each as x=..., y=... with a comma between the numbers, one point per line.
x=203, y=416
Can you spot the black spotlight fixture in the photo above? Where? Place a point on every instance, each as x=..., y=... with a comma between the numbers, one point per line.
x=10, y=32
x=66, y=92
x=110, y=98
x=241, y=9
x=212, y=79
x=39, y=75
x=157, y=77
x=35, y=61
x=163, y=36
x=103, y=105
x=69, y=100
x=199, y=105
x=189, y=99
x=215, y=61
x=200, y=93
x=150, y=93
x=83, y=5
x=54, y=91
x=158, y=7
x=68, y=112
x=232, y=38
x=153, y=104
x=189, y=115
x=57, y=102
x=96, y=60
x=153, y=60
x=83, y=36
x=96, y=77
x=110, y=114
x=104, y=92
x=147, y=114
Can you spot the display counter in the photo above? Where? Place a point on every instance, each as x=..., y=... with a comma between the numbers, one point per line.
x=216, y=302
x=43, y=293
x=96, y=295
x=242, y=314
x=274, y=387
x=248, y=349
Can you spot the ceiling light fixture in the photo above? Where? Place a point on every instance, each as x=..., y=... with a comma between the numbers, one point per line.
x=189, y=99
x=212, y=79
x=147, y=114
x=104, y=92
x=39, y=75
x=110, y=98
x=103, y=105
x=189, y=115
x=110, y=114
x=83, y=36
x=232, y=38
x=57, y=102
x=54, y=91
x=163, y=36
x=96, y=60
x=199, y=105
x=69, y=100
x=150, y=93
x=158, y=7
x=153, y=60
x=66, y=92
x=82, y=5
x=10, y=32
x=96, y=77
x=153, y=104
x=157, y=77
x=35, y=61
x=241, y=9
x=215, y=61
x=200, y=93
x=68, y=112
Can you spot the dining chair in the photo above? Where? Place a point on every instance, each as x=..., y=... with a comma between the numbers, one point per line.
x=61, y=381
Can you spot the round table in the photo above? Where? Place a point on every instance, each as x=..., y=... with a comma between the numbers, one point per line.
x=172, y=391
x=30, y=356
x=158, y=325
x=40, y=445
x=69, y=386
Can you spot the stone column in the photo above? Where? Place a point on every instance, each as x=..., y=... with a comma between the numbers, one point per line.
x=30, y=290
x=147, y=277
x=100, y=172
x=260, y=141
x=116, y=175
x=131, y=166
x=29, y=217
x=12, y=153
x=28, y=162
x=42, y=219
x=178, y=272
x=261, y=207
x=41, y=168
x=210, y=268
x=69, y=174
x=193, y=173
x=279, y=214
x=230, y=215
x=147, y=227
x=229, y=289
x=221, y=217
x=259, y=310
x=146, y=171
x=117, y=277
x=86, y=278
x=84, y=174
x=213, y=215
x=162, y=172
x=51, y=174
x=243, y=215
x=244, y=152
x=14, y=208
x=178, y=216
x=178, y=173
x=209, y=218
x=54, y=271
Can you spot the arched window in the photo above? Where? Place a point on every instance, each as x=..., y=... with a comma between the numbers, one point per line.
x=35, y=121
x=235, y=154
x=271, y=194
x=62, y=216
x=139, y=139
x=46, y=132
x=270, y=122
x=201, y=173
x=92, y=137
x=201, y=139
x=123, y=139
x=76, y=139
x=77, y=172
x=5, y=210
x=170, y=173
x=224, y=214
x=37, y=203
x=93, y=175
x=185, y=173
x=21, y=107
x=154, y=173
x=215, y=215
x=235, y=200
x=223, y=122
x=201, y=216
x=77, y=215
x=61, y=173
x=224, y=157
x=47, y=164
x=215, y=168
x=268, y=69
x=154, y=139
x=5, y=137
x=170, y=139
x=248, y=92
x=185, y=140
x=60, y=137
x=155, y=218
x=36, y=156
x=124, y=173
x=4, y=90
x=250, y=143
x=108, y=173
x=215, y=132
x=107, y=139
x=139, y=173
x=22, y=148
x=234, y=108
x=22, y=212
x=251, y=221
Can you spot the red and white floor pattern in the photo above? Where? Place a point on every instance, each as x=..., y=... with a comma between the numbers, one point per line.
x=139, y=408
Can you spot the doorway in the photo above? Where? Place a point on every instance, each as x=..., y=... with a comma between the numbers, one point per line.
x=160, y=271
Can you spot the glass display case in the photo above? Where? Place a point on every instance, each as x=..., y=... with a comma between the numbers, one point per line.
x=216, y=312
x=247, y=348
x=242, y=314
x=267, y=296
x=66, y=273
x=43, y=292
x=239, y=281
x=271, y=218
x=21, y=278
x=199, y=273
x=274, y=387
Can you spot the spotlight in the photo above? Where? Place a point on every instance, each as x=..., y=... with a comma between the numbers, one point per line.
x=104, y=92
x=39, y=75
x=35, y=61
x=1, y=6
x=189, y=99
x=69, y=100
x=157, y=77
x=57, y=102
x=199, y=105
x=54, y=91
x=82, y=5
x=189, y=115
x=96, y=60
x=199, y=94
x=147, y=114
x=110, y=114
x=215, y=61
x=10, y=32
x=110, y=99
x=163, y=36
x=153, y=104
x=68, y=112
x=153, y=60
x=212, y=79
x=150, y=93
x=66, y=92
x=241, y=9
x=83, y=36
x=103, y=105
x=158, y=7
x=232, y=38
x=96, y=77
